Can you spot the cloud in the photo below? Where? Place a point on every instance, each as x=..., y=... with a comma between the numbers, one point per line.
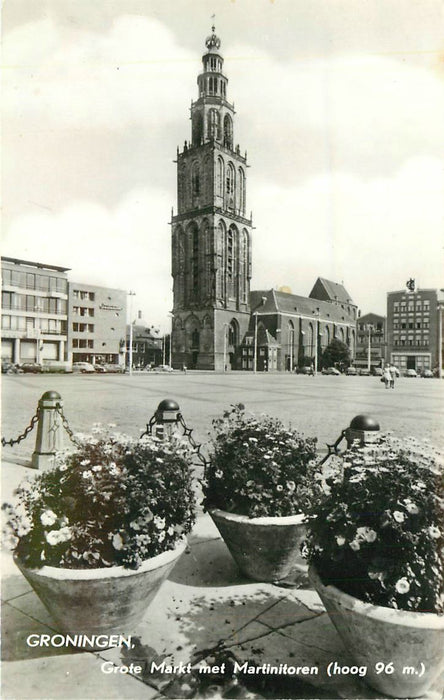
x=371, y=234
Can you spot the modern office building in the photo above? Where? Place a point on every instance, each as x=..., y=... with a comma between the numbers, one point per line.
x=414, y=328
x=97, y=324
x=34, y=313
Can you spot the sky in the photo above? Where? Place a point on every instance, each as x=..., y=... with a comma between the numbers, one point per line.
x=339, y=104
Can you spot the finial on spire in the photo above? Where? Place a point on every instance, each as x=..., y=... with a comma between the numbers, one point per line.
x=213, y=41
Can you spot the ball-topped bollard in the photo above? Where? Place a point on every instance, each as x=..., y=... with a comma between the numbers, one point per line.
x=167, y=411
x=364, y=429
x=50, y=430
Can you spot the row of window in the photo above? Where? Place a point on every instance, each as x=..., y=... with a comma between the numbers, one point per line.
x=81, y=294
x=424, y=342
x=28, y=302
x=83, y=311
x=411, y=324
x=83, y=327
x=82, y=343
x=24, y=324
x=411, y=305
x=33, y=280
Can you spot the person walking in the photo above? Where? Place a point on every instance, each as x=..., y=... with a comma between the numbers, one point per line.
x=387, y=376
x=392, y=376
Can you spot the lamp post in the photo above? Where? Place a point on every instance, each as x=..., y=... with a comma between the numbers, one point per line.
x=131, y=295
x=255, y=343
x=171, y=315
x=225, y=346
x=369, y=347
x=316, y=341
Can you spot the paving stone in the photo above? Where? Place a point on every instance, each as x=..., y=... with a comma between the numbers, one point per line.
x=207, y=563
x=16, y=627
x=31, y=605
x=73, y=676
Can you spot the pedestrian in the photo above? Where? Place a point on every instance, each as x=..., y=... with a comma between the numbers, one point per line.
x=387, y=376
x=184, y=368
x=392, y=376
x=312, y=370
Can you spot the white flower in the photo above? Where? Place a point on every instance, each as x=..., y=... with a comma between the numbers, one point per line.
x=252, y=439
x=411, y=507
x=398, y=516
x=354, y=545
x=402, y=586
x=434, y=532
x=97, y=468
x=279, y=487
x=218, y=474
x=56, y=536
x=48, y=518
x=85, y=462
x=161, y=536
x=87, y=474
x=117, y=541
x=366, y=533
x=340, y=540
x=159, y=523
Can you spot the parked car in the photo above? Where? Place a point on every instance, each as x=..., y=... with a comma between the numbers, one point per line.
x=411, y=373
x=31, y=367
x=363, y=372
x=83, y=367
x=331, y=370
x=304, y=370
x=427, y=374
x=101, y=369
x=377, y=371
x=11, y=368
x=351, y=371
x=114, y=368
x=163, y=368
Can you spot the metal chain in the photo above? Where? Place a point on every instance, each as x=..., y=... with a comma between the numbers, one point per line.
x=66, y=425
x=195, y=445
x=25, y=433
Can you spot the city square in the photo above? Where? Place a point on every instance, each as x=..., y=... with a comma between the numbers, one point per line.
x=318, y=406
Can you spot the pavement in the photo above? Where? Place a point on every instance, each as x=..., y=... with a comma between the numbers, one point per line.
x=206, y=613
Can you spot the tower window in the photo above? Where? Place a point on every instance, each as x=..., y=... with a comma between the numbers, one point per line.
x=228, y=131
x=195, y=180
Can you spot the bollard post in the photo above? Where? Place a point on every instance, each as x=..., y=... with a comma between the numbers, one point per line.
x=165, y=420
x=363, y=428
x=50, y=431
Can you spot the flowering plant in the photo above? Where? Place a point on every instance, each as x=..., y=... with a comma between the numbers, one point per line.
x=379, y=533
x=257, y=467
x=113, y=501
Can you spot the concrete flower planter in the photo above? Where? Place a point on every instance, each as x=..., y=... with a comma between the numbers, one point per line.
x=101, y=601
x=400, y=640
x=265, y=549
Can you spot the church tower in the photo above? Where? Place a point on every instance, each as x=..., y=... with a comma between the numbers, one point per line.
x=211, y=235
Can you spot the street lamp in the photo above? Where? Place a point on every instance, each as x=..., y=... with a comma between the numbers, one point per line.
x=171, y=315
x=226, y=325
x=369, y=347
x=317, y=313
x=440, y=310
x=131, y=295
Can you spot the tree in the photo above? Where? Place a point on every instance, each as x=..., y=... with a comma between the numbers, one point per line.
x=336, y=353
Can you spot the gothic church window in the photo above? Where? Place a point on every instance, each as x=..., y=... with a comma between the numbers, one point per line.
x=195, y=180
x=220, y=177
x=197, y=129
x=241, y=191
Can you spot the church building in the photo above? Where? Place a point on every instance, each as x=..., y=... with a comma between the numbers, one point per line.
x=214, y=325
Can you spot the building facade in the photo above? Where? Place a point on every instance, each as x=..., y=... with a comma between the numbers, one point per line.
x=211, y=233
x=35, y=313
x=287, y=330
x=145, y=344
x=414, y=328
x=371, y=341
x=97, y=324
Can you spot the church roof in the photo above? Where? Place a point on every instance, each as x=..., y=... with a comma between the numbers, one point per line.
x=272, y=301
x=330, y=291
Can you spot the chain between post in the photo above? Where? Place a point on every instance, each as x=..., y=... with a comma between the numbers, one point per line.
x=25, y=433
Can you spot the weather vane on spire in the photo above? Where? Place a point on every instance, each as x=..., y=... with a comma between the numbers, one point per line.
x=213, y=28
